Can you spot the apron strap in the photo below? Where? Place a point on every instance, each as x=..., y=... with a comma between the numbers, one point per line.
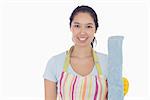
x=67, y=59
x=97, y=64
x=96, y=61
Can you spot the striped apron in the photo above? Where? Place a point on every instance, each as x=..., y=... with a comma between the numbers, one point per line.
x=90, y=87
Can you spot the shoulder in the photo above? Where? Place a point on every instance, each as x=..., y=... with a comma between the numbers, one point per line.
x=102, y=56
x=54, y=67
x=57, y=61
x=58, y=58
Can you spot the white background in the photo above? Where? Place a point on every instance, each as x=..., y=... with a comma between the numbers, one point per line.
x=34, y=30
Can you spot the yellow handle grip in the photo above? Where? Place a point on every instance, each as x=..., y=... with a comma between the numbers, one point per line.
x=126, y=85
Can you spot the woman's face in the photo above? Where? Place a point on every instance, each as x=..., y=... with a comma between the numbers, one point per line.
x=83, y=29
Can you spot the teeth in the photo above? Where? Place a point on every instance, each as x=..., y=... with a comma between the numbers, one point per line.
x=82, y=39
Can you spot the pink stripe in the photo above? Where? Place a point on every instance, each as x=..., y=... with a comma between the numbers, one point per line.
x=95, y=96
x=73, y=88
x=101, y=88
x=106, y=90
x=62, y=74
x=76, y=88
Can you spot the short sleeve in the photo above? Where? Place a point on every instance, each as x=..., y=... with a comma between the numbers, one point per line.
x=50, y=70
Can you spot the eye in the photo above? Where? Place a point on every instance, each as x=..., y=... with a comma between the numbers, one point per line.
x=77, y=26
x=89, y=26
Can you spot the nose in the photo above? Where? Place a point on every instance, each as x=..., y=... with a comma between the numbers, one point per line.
x=83, y=30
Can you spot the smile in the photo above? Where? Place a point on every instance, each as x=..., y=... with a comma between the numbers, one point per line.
x=82, y=39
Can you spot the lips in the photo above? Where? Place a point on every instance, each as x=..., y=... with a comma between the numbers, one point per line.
x=82, y=39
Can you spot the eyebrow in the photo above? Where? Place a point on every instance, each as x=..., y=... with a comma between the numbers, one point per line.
x=76, y=23
x=86, y=24
x=89, y=23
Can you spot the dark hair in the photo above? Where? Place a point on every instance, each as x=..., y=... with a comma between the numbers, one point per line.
x=89, y=10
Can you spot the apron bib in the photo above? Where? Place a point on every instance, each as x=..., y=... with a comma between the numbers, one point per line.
x=74, y=87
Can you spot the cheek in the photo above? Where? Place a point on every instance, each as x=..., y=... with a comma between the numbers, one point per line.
x=73, y=30
x=91, y=34
x=92, y=31
x=91, y=38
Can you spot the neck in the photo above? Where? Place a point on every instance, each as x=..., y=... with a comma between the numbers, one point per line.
x=81, y=52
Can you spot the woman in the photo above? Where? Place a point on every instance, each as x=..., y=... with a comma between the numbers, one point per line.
x=79, y=73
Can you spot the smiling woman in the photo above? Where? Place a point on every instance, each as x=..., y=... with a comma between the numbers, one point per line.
x=80, y=72
x=84, y=20
x=83, y=28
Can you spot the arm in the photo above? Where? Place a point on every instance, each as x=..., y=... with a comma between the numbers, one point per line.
x=50, y=90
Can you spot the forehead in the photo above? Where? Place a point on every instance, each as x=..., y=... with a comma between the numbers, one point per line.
x=83, y=18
